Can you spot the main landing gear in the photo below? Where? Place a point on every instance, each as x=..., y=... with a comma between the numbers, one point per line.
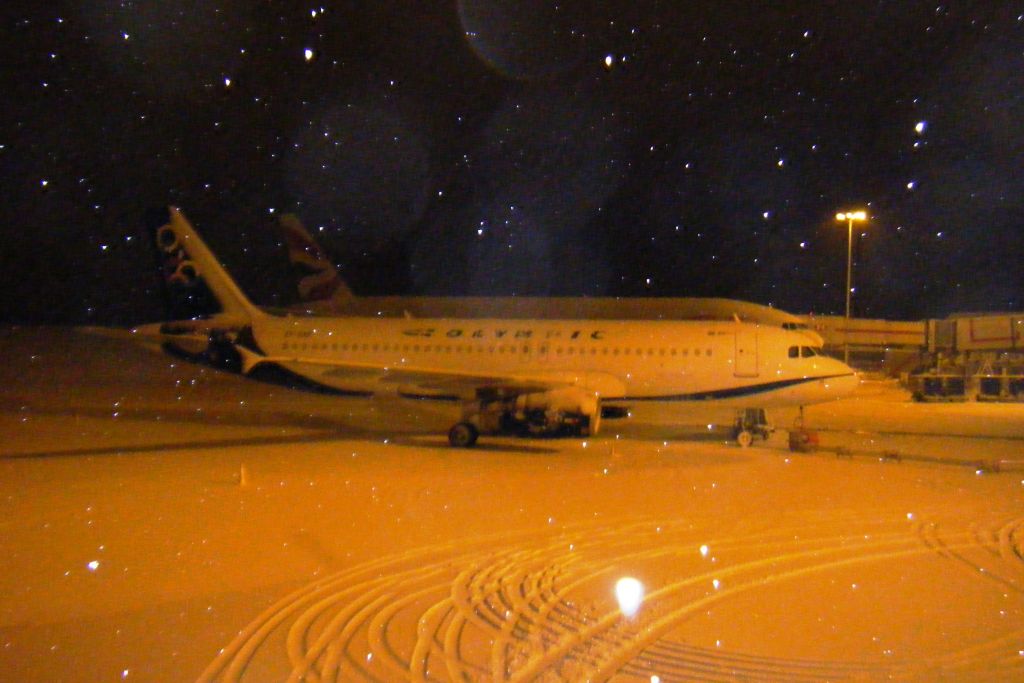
x=564, y=411
x=463, y=435
x=751, y=422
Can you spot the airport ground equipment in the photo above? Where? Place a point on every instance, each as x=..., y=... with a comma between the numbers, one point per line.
x=751, y=422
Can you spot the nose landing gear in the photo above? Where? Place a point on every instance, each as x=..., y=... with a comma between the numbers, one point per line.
x=802, y=439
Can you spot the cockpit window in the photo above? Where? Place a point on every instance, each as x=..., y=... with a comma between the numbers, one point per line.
x=803, y=351
x=794, y=351
x=795, y=326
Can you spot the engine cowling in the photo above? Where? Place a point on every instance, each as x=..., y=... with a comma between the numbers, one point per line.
x=566, y=409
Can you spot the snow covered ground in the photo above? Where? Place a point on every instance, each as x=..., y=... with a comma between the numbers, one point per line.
x=164, y=521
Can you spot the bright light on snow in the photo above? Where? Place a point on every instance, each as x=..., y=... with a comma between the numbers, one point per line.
x=630, y=593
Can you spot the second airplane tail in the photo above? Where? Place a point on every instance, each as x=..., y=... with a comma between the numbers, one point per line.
x=318, y=279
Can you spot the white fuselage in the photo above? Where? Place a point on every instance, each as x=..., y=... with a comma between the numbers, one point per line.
x=738, y=363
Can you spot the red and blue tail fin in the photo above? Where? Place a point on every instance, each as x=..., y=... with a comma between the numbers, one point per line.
x=317, y=278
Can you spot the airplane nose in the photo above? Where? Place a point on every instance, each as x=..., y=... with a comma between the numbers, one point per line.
x=847, y=384
x=845, y=381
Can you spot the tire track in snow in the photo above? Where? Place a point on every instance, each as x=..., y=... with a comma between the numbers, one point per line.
x=1000, y=564
x=517, y=607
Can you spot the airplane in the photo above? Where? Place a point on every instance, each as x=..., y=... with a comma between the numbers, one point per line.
x=322, y=290
x=515, y=376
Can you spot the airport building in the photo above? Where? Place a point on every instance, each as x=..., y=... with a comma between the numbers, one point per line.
x=970, y=356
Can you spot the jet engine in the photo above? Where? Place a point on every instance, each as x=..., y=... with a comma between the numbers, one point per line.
x=562, y=411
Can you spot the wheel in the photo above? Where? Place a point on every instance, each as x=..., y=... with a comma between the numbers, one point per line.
x=463, y=435
x=744, y=438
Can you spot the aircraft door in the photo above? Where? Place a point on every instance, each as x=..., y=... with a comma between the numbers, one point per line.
x=745, y=357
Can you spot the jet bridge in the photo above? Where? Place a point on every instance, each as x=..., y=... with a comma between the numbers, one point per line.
x=973, y=357
x=970, y=356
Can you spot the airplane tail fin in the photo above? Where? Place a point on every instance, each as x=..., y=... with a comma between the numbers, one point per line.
x=318, y=279
x=196, y=283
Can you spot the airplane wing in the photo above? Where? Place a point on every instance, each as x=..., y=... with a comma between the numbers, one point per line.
x=455, y=382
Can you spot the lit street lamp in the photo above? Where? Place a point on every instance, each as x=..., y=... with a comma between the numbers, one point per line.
x=849, y=217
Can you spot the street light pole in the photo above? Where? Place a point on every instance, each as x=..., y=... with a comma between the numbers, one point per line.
x=849, y=217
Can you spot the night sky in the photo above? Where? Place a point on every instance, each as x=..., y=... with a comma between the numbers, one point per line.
x=484, y=147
